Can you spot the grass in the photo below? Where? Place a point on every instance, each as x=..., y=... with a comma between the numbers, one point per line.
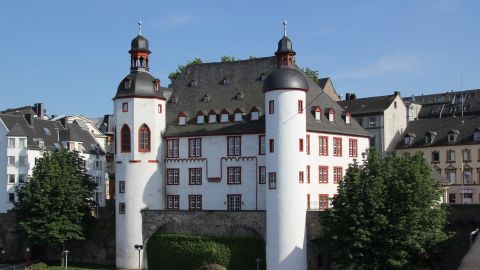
x=79, y=266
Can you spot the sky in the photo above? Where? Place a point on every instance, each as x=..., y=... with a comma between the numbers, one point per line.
x=71, y=55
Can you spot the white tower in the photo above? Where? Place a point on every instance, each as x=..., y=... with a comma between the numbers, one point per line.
x=139, y=113
x=285, y=89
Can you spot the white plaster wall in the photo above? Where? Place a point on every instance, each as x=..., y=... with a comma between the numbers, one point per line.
x=395, y=123
x=90, y=167
x=286, y=240
x=3, y=168
x=142, y=173
x=214, y=163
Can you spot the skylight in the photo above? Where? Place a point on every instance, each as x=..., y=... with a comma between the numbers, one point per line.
x=47, y=131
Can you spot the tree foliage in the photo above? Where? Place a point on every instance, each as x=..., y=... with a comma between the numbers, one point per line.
x=181, y=68
x=387, y=214
x=226, y=58
x=57, y=203
x=312, y=74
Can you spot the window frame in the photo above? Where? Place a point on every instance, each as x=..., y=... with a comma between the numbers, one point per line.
x=159, y=108
x=125, y=107
x=197, y=199
x=11, y=161
x=122, y=208
x=301, y=177
x=173, y=176
x=9, y=144
x=323, y=174
x=234, y=175
x=174, y=200
x=194, y=147
x=125, y=143
x=337, y=174
x=337, y=148
x=271, y=146
x=195, y=176
x=231, y=205
x=323, y=145
x=234, y=145
x=300, y=145
x=300, y=106
x=323, y=202
x=372, y=123
x=10, y=178
x=121, y=187
x=271, y=107
x=262, y=175
x=308, y=174
x=272, y=180
x=173, y=146
x=451, y=152
x=352, y=147
x=262, y=147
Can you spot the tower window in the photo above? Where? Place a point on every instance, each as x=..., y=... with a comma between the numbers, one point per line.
x=271, y=107
x=261, y=144
x=125, y=146
x=300, y=145
x=262, y=171
x=159, y=108
x=271, y=145
x=300, y=106
x=144, y=139
x=307, y=144
x=125, y=107
x=121, y=208
x=128, y=84
x=300, y=177
x=121, y=187
x=272, y=180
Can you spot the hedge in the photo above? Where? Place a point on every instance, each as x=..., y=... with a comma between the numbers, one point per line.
x=189, y=252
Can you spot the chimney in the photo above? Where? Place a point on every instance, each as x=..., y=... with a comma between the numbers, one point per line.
x=353, y=96
x=347, y=96
x=29, y=118
x=39, y=110
x=396, y=93
x=64, y=122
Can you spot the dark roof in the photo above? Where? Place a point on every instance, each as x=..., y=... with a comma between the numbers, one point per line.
x=139, y=43
x=105, y=125
x=19, y=111
x=284, y=46
x=323, y=81
x=441, y=127
x=142, y=84
x=244, y=77
x=46, y=130
x=447, y=104
x=369, y=105
x=285, y=78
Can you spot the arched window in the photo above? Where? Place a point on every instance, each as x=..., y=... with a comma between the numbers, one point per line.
x=125, y=144
x=144, y=139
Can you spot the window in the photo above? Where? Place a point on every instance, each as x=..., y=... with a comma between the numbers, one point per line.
x=428, y=138
x=451, y=137
x=22, y=161
x=408, y=140
x=308, y=174
x=322, y=201
x=318, y=114
x=127, y=85
x=125, y=107
x=271, y=146
x=238, y=117
x=301, y=177
x=11, y=178
x=467, y=197
x=11, y=197
x=323, y=174
x=234, y=202
x=22, y=178
x=435, y=156
x=371, y=121
x=234, y=175
x=195, y=176
x=352, y=147
x=125, y=146
x=121, y=208
x=323, y=145
x=234, y=146
x=451, y=198
x=98, y=165
x=200, y=119
x=451, y=156
x=395, y=104
x=11, y=142
x=173, y=176
x=271, y=107
x=121, y=187
x=159, y=108
x=212, y=117
x=182, y=120
x=476, y=135
x=172, y=148
x=11, y=160
x=348, y=118
x=272, y=180
x=195, y=202
x=195, y=147
x=331, y=115
x=337, y=147
x=262, y=174
x=173, y=202
x=261, y=144
x=144, y=139
x=451, y=175
x=300, y=145
x=223, y=118
x=467, y=176
x=300, y=106
x=467, y=155
x=337, y=174
x=308, y=201
x=372, y=141
x=307, y=144
x=254, y=116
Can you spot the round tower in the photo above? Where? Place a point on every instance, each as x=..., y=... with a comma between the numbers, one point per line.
x=139, y=113
x=285, y=93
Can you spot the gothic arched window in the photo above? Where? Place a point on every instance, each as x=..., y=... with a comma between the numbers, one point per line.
x=125, y=144
x=144, y=139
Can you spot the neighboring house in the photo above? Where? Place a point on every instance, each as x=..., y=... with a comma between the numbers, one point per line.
x=243, y=135
x=384, y=117
x=327, y=86
x=107, y=127
x=24, y=138
x=452, y=147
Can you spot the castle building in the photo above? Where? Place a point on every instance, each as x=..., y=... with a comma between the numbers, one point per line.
x=254, y=134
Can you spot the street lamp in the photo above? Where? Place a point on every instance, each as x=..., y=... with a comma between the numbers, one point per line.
x=66, y=258
x=3, y=253
x=27, y=257
x=139, y=248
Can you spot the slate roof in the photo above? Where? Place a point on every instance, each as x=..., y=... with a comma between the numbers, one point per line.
x=47, y=131
x=142, y=84
x=19, y=111
x=447, y=104
x=441, y=127
x=369, y=105
x=105, y=124
x=246, y=77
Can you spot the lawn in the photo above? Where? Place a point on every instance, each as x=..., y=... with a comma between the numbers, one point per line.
x=76, y=266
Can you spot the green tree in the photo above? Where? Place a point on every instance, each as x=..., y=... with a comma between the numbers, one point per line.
x=387, y=214
x=226, y=58
x=56, y=204
x=312, y=74
x=181, y=68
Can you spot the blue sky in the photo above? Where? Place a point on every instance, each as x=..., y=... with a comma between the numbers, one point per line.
x=71, y=55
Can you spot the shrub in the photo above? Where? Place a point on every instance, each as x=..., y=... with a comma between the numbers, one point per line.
x=38, y=266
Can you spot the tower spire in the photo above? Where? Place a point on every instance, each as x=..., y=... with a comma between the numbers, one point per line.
x=139, y=28
x=285, y=28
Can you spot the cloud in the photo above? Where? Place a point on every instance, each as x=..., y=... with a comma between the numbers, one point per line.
x=392, y=63
x=174, y=21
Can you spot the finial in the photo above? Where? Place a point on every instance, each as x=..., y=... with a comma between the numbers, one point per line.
x=139, y=27
x=285, y=28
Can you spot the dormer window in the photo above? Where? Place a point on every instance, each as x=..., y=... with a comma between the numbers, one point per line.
x=254, y=116
x=263, y=76
x=206, y=98
x=476, y=134
x=331, y=115
x=348, y=118
x=452, y=135
x=182, y=118
x=212, y=117
x=128, y=84
x=224, y=116
x=430, y=137
x=157, y=84
x=409, y=138
x=318, y=113
x=200, y=118
x=225, y=81
x=239, y=96
x=238, y=115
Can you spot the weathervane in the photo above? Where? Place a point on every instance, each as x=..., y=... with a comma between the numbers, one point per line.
x=285, y=28
x=139, y=27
